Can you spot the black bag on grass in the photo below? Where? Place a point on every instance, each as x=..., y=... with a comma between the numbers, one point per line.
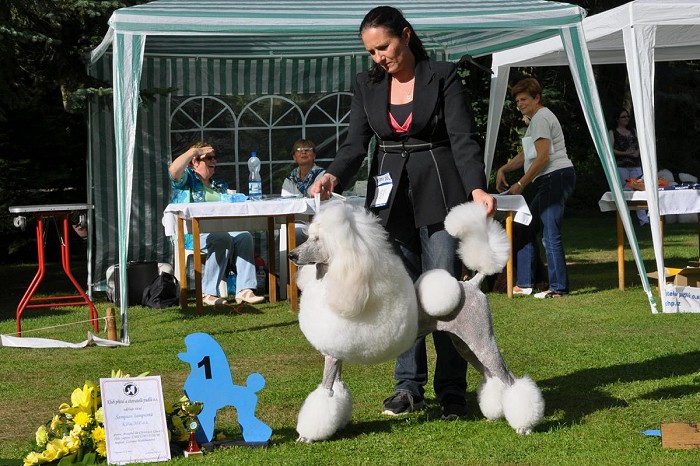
x=164, y=291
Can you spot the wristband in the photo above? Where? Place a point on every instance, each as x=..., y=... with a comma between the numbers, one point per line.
x=520, y=184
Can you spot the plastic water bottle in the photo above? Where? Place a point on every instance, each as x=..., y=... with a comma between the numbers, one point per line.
x=254, y=181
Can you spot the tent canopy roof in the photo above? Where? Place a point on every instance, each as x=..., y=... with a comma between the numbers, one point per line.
x=313, y=28
x=677, y=36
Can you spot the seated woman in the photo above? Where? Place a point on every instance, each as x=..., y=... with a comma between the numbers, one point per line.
x=191, y=178
x=306, y=172
x=302, y=176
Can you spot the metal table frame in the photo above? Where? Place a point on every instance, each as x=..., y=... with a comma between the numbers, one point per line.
x=58, y=212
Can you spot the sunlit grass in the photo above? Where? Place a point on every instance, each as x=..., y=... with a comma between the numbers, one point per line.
x=608, y=368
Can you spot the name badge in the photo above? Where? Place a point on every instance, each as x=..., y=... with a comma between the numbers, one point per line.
x=384, y=187
x=529, y=148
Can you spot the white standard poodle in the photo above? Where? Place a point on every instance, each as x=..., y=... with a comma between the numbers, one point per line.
x=359, y=305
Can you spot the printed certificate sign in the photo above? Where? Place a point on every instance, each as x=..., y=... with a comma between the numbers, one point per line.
x=135, y=423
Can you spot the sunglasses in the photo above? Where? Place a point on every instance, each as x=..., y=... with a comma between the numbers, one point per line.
x=304, y=149
x=207, y=157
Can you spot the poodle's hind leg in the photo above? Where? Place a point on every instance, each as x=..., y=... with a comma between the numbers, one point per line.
x=523, y=405
x=500, y=394
x=496, y=375
x=328, y=408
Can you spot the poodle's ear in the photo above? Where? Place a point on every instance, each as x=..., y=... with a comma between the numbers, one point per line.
x=349, y=281
x=349, y=274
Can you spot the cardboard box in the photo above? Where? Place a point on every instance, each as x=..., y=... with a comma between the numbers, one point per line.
x=680, y=436
x=689, y=276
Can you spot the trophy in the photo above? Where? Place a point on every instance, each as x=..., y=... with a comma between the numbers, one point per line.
x=192, y=409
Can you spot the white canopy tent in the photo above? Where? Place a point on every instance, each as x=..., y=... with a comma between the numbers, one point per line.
x=638, y=33
x=325, y=33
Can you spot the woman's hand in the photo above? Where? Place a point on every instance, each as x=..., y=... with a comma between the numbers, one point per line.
x=516, y=188
x=482, y=197
x=501, y=182
x=198, y=153
x=324, y=186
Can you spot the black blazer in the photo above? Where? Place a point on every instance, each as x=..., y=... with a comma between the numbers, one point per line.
x=441, y=177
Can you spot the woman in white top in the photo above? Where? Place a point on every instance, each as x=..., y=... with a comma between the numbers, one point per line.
x=302, y=177
x=306, y=171
x=547, y=166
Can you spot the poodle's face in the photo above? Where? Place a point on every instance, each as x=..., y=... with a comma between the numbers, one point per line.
x=311, y=251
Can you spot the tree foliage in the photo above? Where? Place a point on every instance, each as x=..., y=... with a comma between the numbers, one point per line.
x=42, y=147
x=43, y=44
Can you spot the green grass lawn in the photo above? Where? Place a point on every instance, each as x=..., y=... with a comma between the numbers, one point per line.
x=608, y=369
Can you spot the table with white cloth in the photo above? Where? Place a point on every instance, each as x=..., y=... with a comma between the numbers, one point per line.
x=516, y=210
x=207, y=217
x=675, y=201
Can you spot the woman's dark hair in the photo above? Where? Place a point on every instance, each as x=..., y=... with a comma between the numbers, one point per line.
x=528, y=85
x=393, y=20
x=621, y=110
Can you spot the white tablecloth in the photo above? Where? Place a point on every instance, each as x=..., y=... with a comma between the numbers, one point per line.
x=678, y=201
x=209, y=211
x=217, y=216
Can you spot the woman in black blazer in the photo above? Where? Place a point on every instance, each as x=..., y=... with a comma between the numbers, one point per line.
x=426, y=162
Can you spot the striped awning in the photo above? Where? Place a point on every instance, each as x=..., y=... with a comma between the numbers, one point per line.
x=324, y=28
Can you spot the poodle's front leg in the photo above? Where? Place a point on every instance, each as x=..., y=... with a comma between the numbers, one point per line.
x=332, y=369
x=326, y=409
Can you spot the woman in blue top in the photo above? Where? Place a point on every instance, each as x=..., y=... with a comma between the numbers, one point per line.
x=191, y=177
x=549, y=169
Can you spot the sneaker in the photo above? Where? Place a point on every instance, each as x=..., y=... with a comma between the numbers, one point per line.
x=454, y=407
x=402, y=402
x=521, y=291
x=548, y=294
x=249, y=297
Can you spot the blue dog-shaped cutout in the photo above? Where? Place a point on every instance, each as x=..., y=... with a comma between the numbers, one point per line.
x=210, y=382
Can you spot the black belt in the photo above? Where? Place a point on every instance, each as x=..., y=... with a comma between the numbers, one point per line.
x=407, y=146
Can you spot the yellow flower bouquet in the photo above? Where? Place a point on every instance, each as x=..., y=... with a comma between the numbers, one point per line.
x=76, y=435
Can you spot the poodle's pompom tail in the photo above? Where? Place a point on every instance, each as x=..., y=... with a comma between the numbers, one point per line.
x=324, y=412
x=523, y=405
x=490, y=396
x=439, y=293
x=483, y=243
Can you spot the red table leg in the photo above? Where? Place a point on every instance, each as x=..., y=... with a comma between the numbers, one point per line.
x=28, y=300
